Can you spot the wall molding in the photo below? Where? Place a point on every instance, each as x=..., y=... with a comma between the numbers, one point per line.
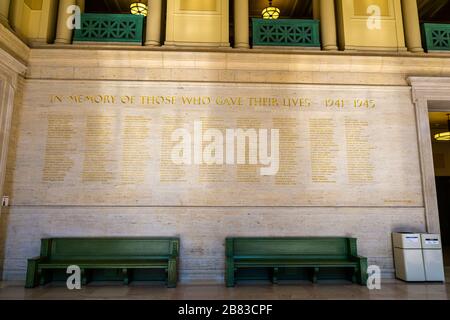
x=426, y=91
x=17, y=50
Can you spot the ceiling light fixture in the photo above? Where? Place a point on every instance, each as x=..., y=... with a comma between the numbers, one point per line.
x=271, y=12
x=444, y=136
x=138, y=8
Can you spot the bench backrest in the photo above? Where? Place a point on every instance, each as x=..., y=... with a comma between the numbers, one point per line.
x=108, y=248
x=307, y=247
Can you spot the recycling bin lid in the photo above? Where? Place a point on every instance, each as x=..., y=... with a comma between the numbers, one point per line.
x=431, y=241
x=406, y=240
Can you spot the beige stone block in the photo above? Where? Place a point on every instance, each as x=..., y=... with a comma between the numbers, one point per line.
x=176, y=60
x=366, y=64
x=261, y=76
x=134, y=59
x=211, y=61
x=194, y=75
x=34, y=72
x=393, y=65
x=57, y=73
x=241, y=61
x=271, y=62
x=304, y=77
x=242, y=76
x=319, y=77
x=335, y=63
x=85, y=73
x=304, y=63
x=154, y=74
x=446, y=71
x=274, y=77
x=227, y=75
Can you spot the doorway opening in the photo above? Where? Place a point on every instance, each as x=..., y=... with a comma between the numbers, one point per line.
x=440, y=140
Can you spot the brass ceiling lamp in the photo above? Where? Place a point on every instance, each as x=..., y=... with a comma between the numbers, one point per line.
x=444, y=136
x=138, y=8
x=271, y=12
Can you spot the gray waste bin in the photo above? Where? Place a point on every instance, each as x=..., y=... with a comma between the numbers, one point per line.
x=418, y=257
x=432, y=257
x=408, y=256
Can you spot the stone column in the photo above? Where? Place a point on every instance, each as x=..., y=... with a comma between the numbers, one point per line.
x=316, y=9
x=4, y=11
x=63, y=33
x=328, y=25
x=412, y=25
x=81, y=4
x=153, y=34
x=241, y=27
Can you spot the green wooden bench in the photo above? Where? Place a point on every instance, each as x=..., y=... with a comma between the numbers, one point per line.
x=282, y=253
x=121, y=255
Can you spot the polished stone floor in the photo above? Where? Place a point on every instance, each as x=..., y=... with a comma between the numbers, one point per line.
x=390, y=289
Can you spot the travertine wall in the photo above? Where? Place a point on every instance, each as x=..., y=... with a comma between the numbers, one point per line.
x=202, y=228
x=119, y=143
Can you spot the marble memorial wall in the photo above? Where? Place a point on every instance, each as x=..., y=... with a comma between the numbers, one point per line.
x=169, y=145
x=198, y=161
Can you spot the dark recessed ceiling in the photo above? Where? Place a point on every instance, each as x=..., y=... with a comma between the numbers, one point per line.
x=429, y=10
x=438, y=119
x=289, y=8
x=109, y=6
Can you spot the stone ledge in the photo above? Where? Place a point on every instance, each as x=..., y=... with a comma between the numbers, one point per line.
x=244, y=66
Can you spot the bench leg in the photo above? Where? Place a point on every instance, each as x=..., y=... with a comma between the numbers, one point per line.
x=32, y=279
x=362, y=272
x=275, y=276
x=229, y=273
x=126, y=276
x=84, y=279
x=355, y=275
x=44, y=276
x=315, y=274
x=172, y=273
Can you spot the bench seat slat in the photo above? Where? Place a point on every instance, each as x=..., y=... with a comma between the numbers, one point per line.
x=278, y=262
x=111, y=264
x=294, y=257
